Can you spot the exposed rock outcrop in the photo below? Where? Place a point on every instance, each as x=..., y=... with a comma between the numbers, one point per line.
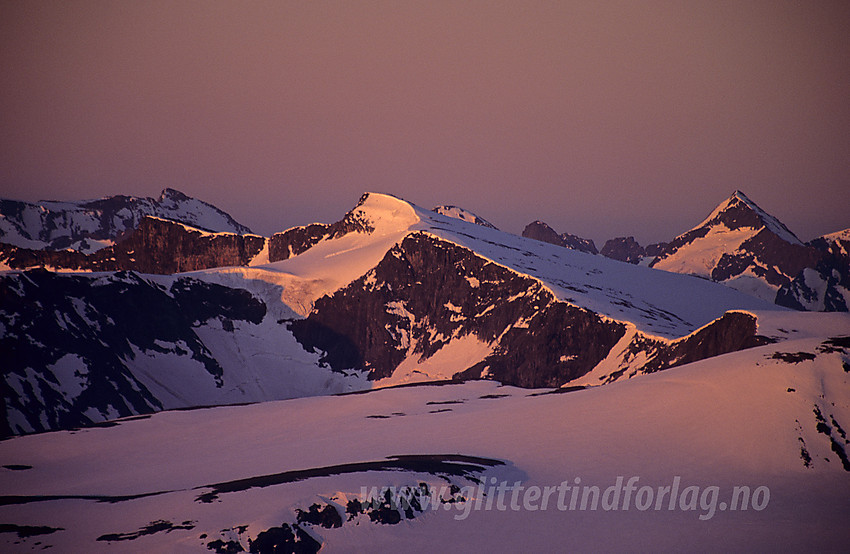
x=297, y=240
x=539, y=230
x=156, y=246
x=624, y=249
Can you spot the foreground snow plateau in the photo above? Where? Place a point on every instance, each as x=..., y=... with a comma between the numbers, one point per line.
x=767, y=418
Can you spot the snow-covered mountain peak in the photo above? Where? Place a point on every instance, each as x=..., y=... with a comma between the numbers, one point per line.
x=382, y=213
x=738, y=211
x=175, y=205
x=90, y=225
x=312, y=261
x=741, y=245
x=465, y=215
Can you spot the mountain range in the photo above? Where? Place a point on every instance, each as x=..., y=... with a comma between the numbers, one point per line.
x=738, y=244
x=407, y=347
x=392, y=293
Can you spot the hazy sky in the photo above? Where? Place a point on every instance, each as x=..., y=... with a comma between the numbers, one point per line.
x=602, y=118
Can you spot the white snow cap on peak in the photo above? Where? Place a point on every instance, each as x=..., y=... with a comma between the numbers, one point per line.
x=385, y=213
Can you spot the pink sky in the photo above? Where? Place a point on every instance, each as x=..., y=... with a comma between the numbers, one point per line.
x=602, y=118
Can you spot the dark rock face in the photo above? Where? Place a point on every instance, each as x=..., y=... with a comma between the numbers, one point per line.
x=577, y=243
x=427, y=291
x=297, y=240
x=423, y=292
x=730, y=333
x=655, y=249
x=327, y=516
x=624, y=249
x=824, y=286
x=738, y=215
x=100, y=323
x=836, y=246
x=282, y=540
x=163, y=247
x=539, y=230
x=561, y=343
x=300, y=239
x=157, y=246
x=200, y=302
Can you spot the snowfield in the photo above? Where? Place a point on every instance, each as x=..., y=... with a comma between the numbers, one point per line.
x=179, y=481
